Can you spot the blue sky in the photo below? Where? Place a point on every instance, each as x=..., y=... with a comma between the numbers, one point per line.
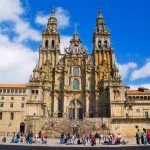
x=22, y=22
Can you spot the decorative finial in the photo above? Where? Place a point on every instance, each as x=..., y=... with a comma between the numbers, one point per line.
x=53, y=10
x=99, y=13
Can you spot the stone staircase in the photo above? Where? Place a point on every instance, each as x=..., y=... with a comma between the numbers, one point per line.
x=55, y=126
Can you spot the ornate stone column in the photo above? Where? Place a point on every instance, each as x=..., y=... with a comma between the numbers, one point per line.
x=97, y=104
x=75, y=110
x=65, y=105
x=55, y=113
x=87, y=106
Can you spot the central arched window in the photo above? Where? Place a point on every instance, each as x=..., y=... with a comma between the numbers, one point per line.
x=75, y=71
x=75, y=84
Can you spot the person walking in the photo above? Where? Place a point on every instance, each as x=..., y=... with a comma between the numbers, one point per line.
x=144, y=137
x=138, y=136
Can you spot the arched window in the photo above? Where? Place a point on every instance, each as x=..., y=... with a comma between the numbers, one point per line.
x=91, y=86
x=75, y=71
x=75, y=84
x=60, y=105
x=105, y=44
x=46, y=44
x=99, y=44
x=91, y=108
x=53, y=43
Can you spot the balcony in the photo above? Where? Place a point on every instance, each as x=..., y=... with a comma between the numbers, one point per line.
x=130, y=117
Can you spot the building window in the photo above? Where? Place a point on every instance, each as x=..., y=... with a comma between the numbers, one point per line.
x=2, y=98
x=4, y=90
x=137, y=110
x=22, y=105
x=91, y=86
x=75, y=84
x=60, y=86
x=146, y=114
x=8, y=90
x=20, y=91
x=60, y=105
x=75, y=71
x=1, y=115
x=0, y=90
x=11, y=105
x=32, y=91
x=36, y=91
x=11, y=116
x=1, y=104
x=53, y=43
x=99, y=44
x=24, y=91
x=12, y=98
x=16, y=90
x=12, y=90
x=46, y=44
x=23, y=98
x=127, y=115
x=105, y=44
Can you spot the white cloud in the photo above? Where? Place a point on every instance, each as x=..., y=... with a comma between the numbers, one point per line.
x=135, y=86
x=126, y=68
x=61, y=14
x=25, y=32
x=64, y=42
x=143, y=72
x=17, y=61
x=10, y=12
x=41, y=19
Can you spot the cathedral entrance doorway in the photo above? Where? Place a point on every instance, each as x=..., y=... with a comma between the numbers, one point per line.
x=75, y=110
x=22, y=127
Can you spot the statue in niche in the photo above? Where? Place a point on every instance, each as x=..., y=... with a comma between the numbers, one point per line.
x=75, y=49
x=116, y=94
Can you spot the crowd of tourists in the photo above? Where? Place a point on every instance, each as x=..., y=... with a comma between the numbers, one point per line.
x=38, y=138
x=92, y=139
x=143, y=137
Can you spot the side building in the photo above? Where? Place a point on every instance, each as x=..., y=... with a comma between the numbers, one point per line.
x=13, y=99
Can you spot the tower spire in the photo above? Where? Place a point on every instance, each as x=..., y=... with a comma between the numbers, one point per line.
x=53, y=11
x=100, y=14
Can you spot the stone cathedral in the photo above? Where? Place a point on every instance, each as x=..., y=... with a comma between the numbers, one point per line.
x=74, y=91
x=74, y=85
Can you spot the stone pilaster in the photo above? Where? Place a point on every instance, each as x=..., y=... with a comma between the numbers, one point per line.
x=87, y=106
x=55, y=113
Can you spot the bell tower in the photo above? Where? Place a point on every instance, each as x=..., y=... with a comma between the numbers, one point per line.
x=49, y=48
x=102, y=51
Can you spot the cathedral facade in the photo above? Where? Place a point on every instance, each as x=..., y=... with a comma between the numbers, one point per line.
x=73, y=84
x=80, y=86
